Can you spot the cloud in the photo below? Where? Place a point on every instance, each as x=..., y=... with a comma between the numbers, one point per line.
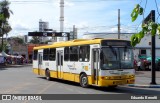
x=69, y=3
x=19, y=25
x=83, y=24
x=106, y=29
x=19, y=28
x=89, y=15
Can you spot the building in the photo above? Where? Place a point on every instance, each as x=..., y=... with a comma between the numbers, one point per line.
x=43, y=26
x=16, y=48
x=141, y=49
x=30, y=49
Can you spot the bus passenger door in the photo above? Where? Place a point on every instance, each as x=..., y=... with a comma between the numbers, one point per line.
x=95, y=65
x=59, y=64
x=39, y=62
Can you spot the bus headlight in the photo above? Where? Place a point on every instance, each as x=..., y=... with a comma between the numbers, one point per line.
x=107, y=77
x=132, y=76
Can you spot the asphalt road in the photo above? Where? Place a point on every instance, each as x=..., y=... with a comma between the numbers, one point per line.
x=21, y=80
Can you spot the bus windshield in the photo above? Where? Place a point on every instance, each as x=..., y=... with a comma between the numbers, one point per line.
x=116, y=58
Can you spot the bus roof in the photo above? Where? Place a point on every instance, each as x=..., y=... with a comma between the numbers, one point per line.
x=74, y=43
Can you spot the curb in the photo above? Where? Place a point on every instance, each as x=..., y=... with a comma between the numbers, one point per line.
x=8, y=66
x=144, y=86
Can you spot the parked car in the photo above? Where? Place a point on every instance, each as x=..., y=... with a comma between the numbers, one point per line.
x=157, y=62
x=146, y=62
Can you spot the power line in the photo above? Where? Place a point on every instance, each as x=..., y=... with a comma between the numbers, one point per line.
x=95, y=0
x=157, y=9
x=143, y=16
x=26, y=1
x=44, y=1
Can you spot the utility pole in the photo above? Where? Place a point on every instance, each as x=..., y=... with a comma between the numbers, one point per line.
x=118, y=23
x=61, y=15
x=151, y=17
x=74, y=32
x=153, y=51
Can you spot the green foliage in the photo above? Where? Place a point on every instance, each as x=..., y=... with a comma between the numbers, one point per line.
x=158, y=29
x=35, y=40
x=4, y=47
x=46, y=42
x=152, y=28
x=6, y=28
x=4, y=5
x=138, y=10
x=20, y=41
x=4, y=16
x=134, y=40
x=149, y=27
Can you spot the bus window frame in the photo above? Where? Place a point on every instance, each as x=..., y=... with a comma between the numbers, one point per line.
x=86, y=53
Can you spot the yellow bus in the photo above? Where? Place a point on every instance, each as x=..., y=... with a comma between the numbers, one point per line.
x=98, y=62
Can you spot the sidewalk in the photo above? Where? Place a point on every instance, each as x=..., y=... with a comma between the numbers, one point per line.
x=143, y=80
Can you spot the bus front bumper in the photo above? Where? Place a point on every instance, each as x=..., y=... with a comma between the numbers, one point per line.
x=104, y=82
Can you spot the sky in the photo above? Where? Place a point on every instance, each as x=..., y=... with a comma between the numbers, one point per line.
x=91, y=16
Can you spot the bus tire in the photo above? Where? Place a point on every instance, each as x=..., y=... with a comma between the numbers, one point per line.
x=48, y=75
x=84, y=81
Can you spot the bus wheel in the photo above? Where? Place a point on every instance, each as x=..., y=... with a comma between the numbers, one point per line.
x=48, y=75
x=84, y=81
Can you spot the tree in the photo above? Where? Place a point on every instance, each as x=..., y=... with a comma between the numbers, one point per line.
x=4, y=16
x=35, y=40
x=6, y=28
x=4, y=47
x=150, y=27
x=18, y=40
x=46, y=42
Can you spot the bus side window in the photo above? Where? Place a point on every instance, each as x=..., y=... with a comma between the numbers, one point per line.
x=35, y=54
x=66, y=54
x=45, y=54
x=84, y=53
x=52, y=54
x=73, y=53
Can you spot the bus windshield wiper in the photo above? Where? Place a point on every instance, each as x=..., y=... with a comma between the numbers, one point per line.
x=113, y=51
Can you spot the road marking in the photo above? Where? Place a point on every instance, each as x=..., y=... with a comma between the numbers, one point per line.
x=45, y=88
x=62, y=85
x=73, y=90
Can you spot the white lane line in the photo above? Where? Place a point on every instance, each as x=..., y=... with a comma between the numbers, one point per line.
x=46, y=87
